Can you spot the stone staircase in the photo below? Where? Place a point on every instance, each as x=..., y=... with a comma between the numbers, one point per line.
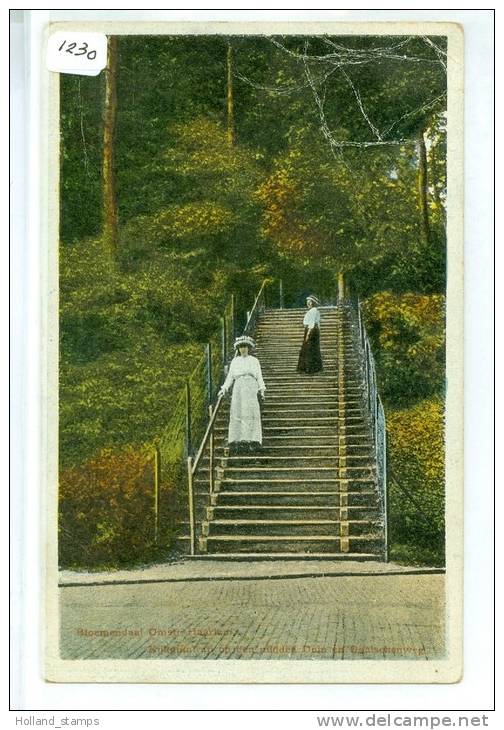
x=312, y=490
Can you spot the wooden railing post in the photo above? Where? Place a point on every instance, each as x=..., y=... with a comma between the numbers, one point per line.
x=385, y=493
x=209, y=383
x=359, y=317
x=211, y=454
x=233, y=318
x=224, y=341
x=188, y=420
x=281, y=293
x=341, y=286
x=190, y=495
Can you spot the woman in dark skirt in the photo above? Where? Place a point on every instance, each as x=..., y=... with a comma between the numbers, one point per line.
x=310, y=359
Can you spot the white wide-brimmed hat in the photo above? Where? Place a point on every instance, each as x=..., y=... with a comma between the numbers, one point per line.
x=244, y=340
x=314, y=299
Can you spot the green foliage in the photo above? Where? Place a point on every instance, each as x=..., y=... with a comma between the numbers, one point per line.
x=80, y=156
x=129, y=339
x=126, y=343
x=106, y=511
x=359, y=208
x=416, y=481
x=407, y=334
x=360, y=212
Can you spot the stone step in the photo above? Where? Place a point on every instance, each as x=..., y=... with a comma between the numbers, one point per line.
x=292, y=337
x=359, y=462
x=296, y=324
x=276, y=460
x=293, y=328
x=248, y=556
x=287, y=512
x=326, y=310
x=309, y=391
x=291, y=447
x=285, y=543
x=262, y=473
x=308, y=400
x=294, y=446
x=274, y=343
x=307, y=443
x=297, y=401
x=275, y=419
x=291, y=427
x=294, y=403
x=291, y=344
x=289, y=362
x=291, y=527
x=283, y=411
x=290, y=371
x=296, y=319
x=330, y=309
x=306, y=388
x=316, y=384
x=270, y=348
x=296, y=456
x=281, y=498
x=299, y=430
x=290, y=330
x=310, y=380
x=296, y=315
x=285, y=484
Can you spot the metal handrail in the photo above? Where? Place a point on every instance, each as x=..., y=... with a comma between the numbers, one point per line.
x=193, y=463
x=208, y=431
x=377, y=420
x=259, y=306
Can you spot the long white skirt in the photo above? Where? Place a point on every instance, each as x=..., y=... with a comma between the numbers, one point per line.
x=245, y=414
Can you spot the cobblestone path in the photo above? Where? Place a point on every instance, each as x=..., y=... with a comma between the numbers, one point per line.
x=343, y=617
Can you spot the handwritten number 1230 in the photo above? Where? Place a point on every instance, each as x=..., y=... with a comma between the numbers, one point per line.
x=82, y=51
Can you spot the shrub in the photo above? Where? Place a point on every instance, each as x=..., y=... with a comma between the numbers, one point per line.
x=407, y=334
x=416, y=481
x=106, y=510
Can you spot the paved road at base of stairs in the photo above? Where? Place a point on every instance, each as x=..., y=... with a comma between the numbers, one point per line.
x=185, y=569
x=315, y=617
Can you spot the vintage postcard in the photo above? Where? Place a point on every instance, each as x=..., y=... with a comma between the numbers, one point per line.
x=254, y=352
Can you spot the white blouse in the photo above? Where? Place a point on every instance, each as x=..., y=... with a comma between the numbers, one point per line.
x=239, y=366
x=311, y=318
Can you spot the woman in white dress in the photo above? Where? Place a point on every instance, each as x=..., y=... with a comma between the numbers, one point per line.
x=245, y=377
x=310, y=359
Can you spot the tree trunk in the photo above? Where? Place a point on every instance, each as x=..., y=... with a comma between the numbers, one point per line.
x=423, y=185
x=110, y=221
x=341, y=286
x=434, y=162
x=230, y=101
